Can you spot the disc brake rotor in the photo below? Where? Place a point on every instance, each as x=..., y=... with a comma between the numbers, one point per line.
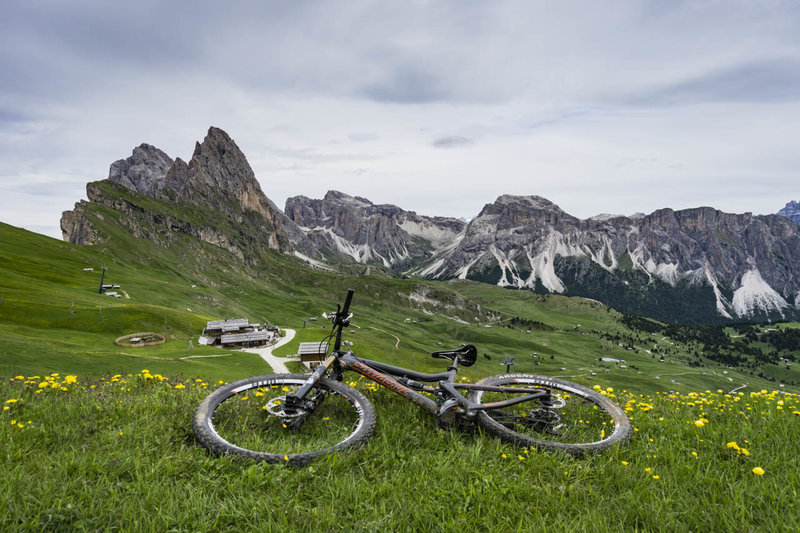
x=275, y=407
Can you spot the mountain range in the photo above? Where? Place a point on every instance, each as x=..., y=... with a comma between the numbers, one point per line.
x=694, y=265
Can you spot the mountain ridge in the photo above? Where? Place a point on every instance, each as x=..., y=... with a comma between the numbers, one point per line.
x=697, y=264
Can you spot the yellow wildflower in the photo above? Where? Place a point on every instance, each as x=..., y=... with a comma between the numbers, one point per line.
x=758, y=471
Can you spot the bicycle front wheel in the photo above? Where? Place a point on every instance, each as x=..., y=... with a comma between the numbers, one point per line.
x=247, y=418
x=573, y=418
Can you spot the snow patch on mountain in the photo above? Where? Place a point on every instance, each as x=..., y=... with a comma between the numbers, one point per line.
x=312, y=261
x=666, y=272
x=722, y=302
x=508, y=268
x=360, y=252
x=755, y=294
x=542, y=264
x=605, y=252
x=438, y=236
x=432, y=270
x=462, y=272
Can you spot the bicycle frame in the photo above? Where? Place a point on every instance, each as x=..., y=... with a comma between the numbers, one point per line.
x=447, y=393
x=404, y=381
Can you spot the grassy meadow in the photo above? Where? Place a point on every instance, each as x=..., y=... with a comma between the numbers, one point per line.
x=92, y=441
x=117, y=453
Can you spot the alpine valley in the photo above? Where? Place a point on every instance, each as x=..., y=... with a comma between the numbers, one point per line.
x=696, y=265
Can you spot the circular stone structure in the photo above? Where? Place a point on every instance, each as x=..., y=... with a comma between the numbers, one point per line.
x=136, y=340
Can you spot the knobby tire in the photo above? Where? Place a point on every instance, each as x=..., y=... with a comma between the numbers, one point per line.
x=587, y=422
x=239, y=419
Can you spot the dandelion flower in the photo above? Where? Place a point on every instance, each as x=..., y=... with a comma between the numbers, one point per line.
x=648, y=469
x=624, y=463
x=699, y=423
x=758, y=471
x=656, y=477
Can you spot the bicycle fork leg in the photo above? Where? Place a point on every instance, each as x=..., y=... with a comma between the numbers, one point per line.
x=293, y=401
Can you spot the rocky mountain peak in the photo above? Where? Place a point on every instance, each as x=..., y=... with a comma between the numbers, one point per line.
x=342, y=198
x=511, y=211
x=791, y=211
x=217, y=166
x=217, y=181
x=385, y=234
x=144, y=171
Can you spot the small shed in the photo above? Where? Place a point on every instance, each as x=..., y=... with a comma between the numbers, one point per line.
x=313, y=353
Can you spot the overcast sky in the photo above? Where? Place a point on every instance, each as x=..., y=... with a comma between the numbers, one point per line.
x=435, y=106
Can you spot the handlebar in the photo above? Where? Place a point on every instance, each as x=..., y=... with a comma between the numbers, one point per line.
x=342, y=319
x=347, y=300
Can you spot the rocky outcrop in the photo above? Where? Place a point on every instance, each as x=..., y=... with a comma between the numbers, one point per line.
x=143, y=171
x=791, y=211
x=214, y=197
x=384, y=234
x=76, y=228
x=746, y=265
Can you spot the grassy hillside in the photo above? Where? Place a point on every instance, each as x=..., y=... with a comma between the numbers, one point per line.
x=102, y=444
x=117, y=453
x=52, y=318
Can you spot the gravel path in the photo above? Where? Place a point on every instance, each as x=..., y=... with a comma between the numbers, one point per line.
x=278, y=364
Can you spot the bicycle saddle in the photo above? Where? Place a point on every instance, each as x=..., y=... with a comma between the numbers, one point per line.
x=467, y=354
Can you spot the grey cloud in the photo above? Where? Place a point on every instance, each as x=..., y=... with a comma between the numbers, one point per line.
x=363, y=137
x=313, y=156
x=452, y=141
x=407, y=85
x=771, y=80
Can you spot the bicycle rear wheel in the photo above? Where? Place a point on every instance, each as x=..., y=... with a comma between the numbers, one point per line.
x=247, y=418
x=577, y=420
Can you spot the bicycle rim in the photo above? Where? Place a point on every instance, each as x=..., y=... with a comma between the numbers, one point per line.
x=574, y=419
x=248, y=418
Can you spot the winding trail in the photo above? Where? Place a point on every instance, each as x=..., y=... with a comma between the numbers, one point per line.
x=397, y=344
x=278, y=364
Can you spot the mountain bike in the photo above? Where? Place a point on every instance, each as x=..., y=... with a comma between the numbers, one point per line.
x=296, y=418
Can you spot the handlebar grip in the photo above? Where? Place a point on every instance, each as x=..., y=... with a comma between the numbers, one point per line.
x=347, y=300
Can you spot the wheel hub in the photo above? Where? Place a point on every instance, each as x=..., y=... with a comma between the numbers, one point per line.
x=276, y=407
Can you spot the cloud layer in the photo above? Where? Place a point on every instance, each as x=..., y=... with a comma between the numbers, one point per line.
x=601, y=107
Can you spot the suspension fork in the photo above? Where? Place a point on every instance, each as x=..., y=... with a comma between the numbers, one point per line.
x=296, y=400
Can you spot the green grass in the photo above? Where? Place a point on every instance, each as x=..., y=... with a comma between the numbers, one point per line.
x=103, y=455
x=53, y=320
x=120, y=455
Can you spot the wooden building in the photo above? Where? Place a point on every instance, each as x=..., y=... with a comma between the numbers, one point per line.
x=236, y=332
x=312, y=353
